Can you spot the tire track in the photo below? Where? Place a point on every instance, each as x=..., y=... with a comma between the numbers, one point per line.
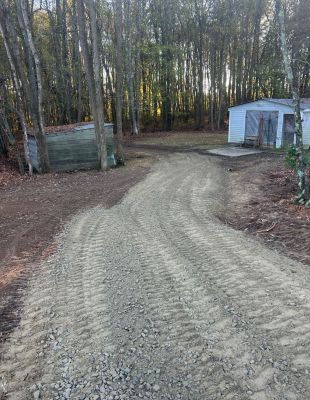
x=155, y=298
x=245, y=277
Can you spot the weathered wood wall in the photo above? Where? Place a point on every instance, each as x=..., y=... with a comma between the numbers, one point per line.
x=73, y=150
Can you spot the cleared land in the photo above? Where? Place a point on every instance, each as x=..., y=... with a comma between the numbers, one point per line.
x=125, y=292
x=33, y=210
x=188, y=139
x=156, y=298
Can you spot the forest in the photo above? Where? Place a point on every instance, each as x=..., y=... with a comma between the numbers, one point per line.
x=143, y=64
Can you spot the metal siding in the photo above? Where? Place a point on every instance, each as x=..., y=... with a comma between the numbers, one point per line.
x=236, y=125
x=306, y=127
x=33, y=153
x=237, y=116
x=74, y=150
x=237, y=119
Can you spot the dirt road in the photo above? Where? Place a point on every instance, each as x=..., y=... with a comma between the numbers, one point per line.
x=155, y=298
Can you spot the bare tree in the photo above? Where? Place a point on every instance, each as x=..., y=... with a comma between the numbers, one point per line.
x=303, y=195
x=200, y=49
x=17, y=86
x=6, y=134
x=129, y=68
x=92, y=67
x=138, y=39
x=119, y=80
x=35, y=84
x=98, y=84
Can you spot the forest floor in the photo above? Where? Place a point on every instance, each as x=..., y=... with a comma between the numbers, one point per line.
x=261, y=203
x=258, y=198
x=157, y=298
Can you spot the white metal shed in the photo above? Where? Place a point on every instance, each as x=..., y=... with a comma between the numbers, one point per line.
x=272, y=118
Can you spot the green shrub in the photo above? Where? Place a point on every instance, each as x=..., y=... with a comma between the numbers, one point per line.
x=290, y=159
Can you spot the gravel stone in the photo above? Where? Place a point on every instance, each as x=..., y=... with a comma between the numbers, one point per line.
x=156, y=299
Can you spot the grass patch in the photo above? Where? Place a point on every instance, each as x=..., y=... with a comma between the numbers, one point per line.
x=187, y=139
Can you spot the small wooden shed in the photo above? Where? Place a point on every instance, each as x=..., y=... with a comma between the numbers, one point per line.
x=72, y=147
x=270, y=119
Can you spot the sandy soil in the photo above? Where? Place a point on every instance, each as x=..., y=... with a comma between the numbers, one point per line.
x=33, y=210
x=157, y=298
x=258, y=196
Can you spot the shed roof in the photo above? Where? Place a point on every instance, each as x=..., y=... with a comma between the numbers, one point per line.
x=69, y=128
x=65, y=128
x=304, y=103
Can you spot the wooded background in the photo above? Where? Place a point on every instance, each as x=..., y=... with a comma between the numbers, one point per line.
x=180, y=63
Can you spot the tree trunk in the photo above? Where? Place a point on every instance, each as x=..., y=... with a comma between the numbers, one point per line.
x=119, y=81
x=98, y=85
x=76, y=65
x=20, y=110
x=199, y=48
x=129, y=69
x=91, y=71
x=12, y=142
x=37, y=86
x=303, y=195
x=138, y=64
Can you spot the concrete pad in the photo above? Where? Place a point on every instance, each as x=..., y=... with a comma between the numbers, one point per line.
x=233, y=151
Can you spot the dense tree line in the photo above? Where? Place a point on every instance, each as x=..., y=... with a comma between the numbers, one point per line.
x=147, y=64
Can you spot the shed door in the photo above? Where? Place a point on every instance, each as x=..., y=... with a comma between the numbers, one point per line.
x=288, y=129
x=262, y=124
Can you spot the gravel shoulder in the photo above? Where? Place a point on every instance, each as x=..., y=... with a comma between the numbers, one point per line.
x=156, y=298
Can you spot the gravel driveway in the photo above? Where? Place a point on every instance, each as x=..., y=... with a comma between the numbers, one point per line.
x=156, y=299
